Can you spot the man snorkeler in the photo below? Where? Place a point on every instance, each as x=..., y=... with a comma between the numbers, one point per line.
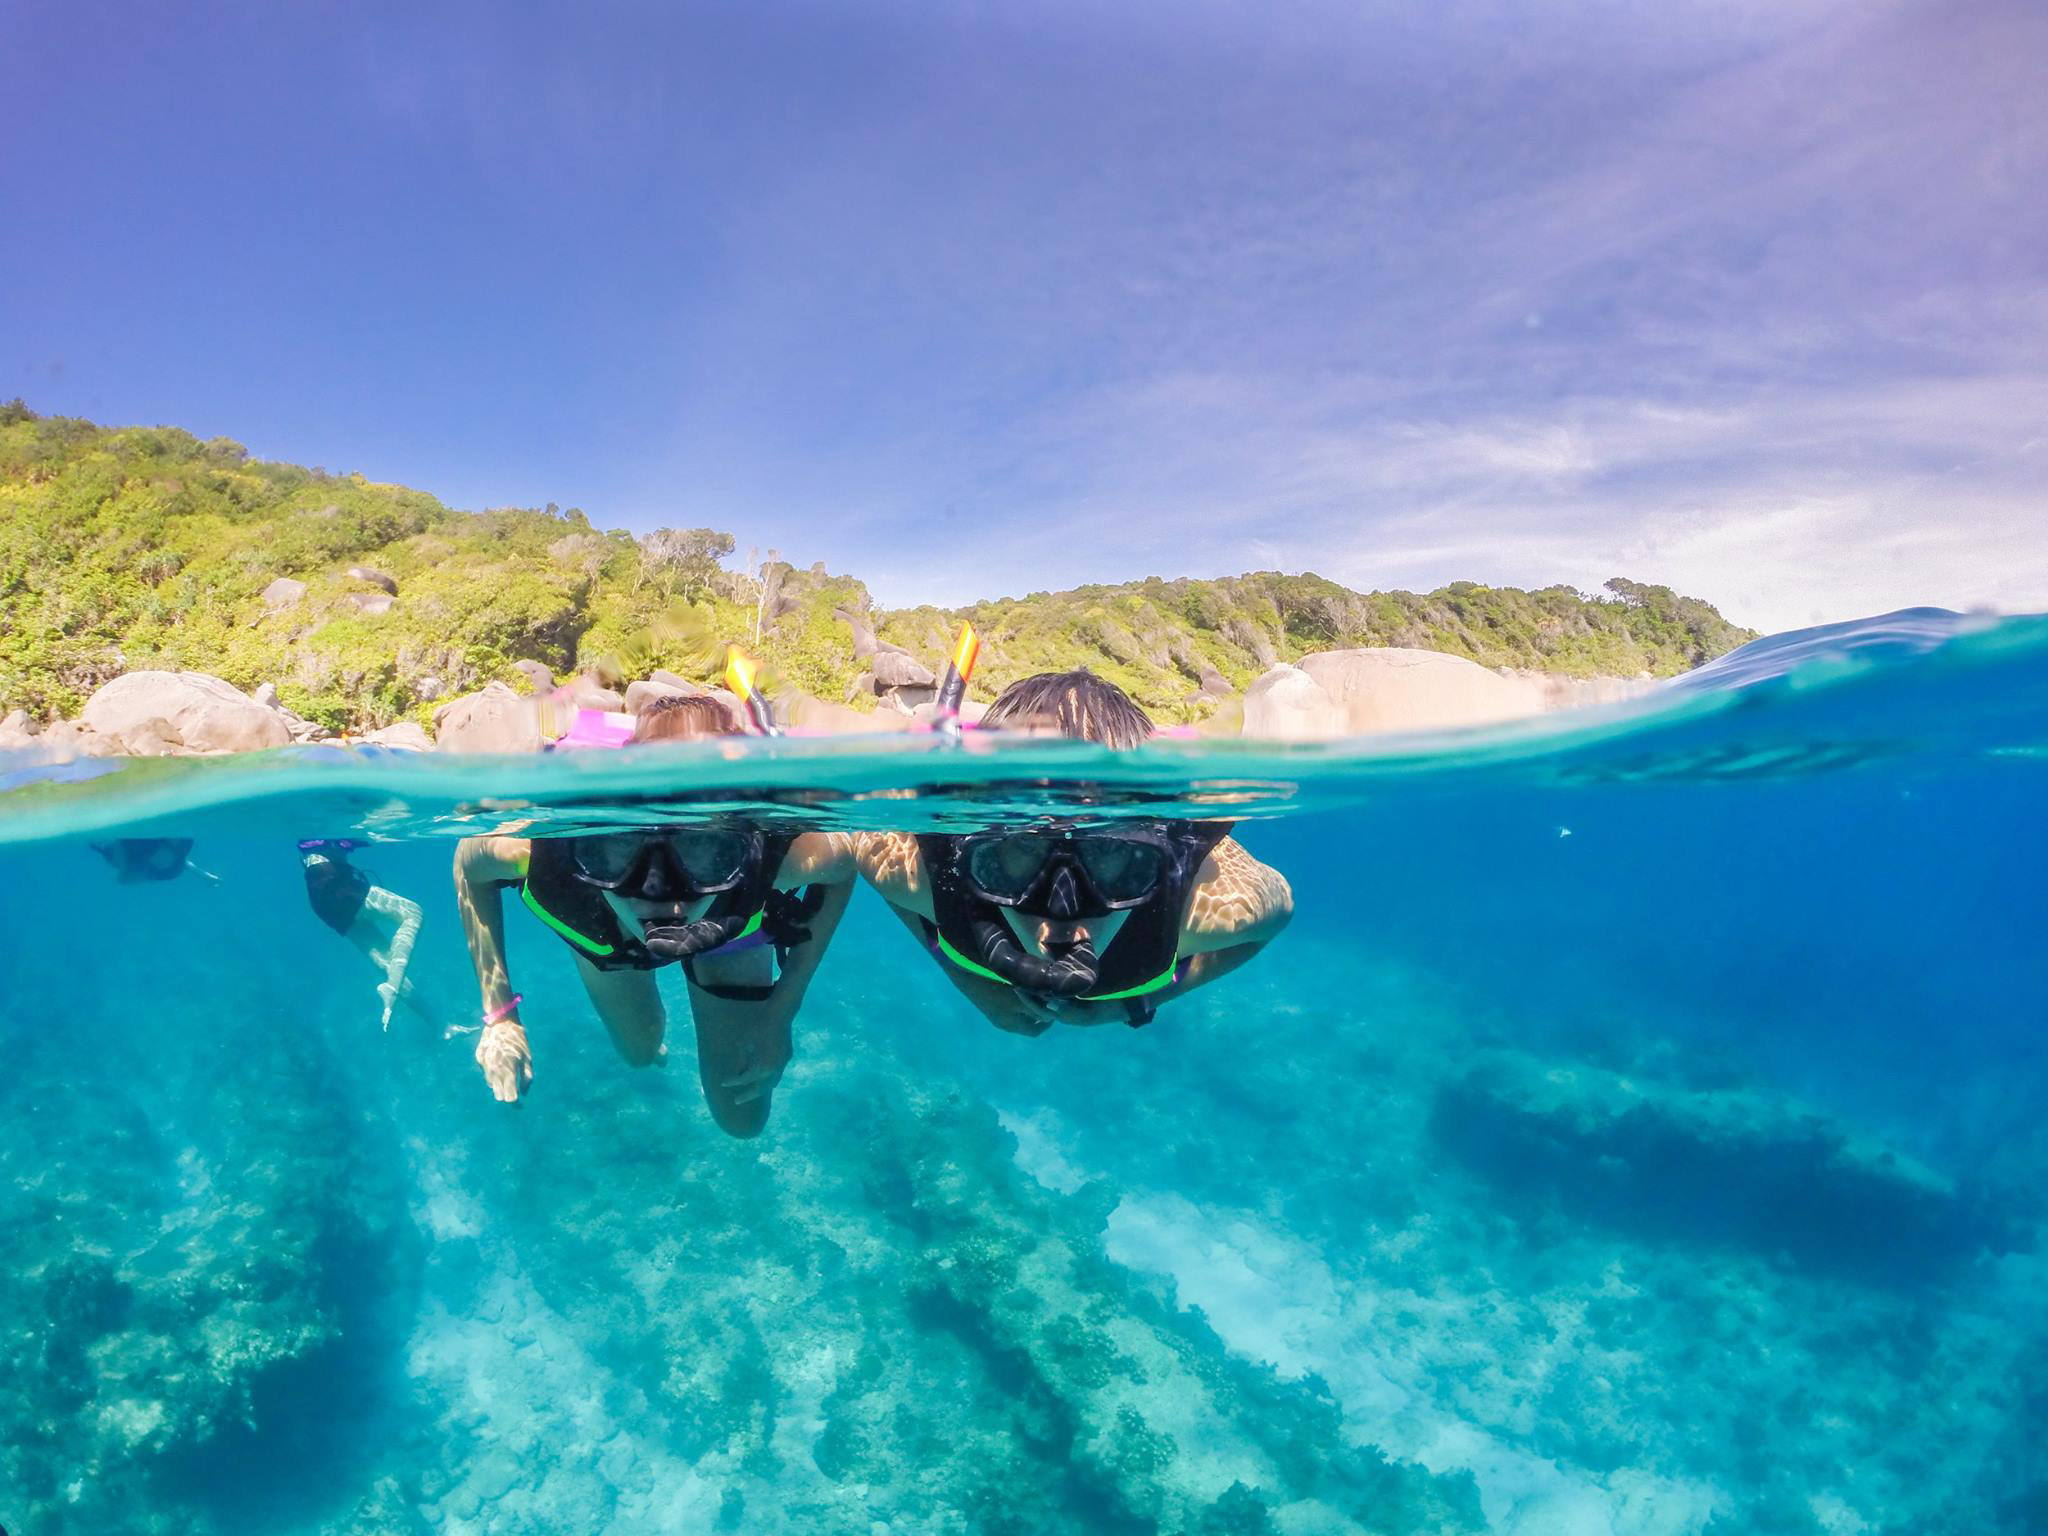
x=1065, y=921
x=380, y=923
x=746, y=910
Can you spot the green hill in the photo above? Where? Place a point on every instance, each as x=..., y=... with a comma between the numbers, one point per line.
x=133, y=547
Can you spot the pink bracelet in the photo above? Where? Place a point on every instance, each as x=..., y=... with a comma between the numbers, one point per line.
x=503, y=1009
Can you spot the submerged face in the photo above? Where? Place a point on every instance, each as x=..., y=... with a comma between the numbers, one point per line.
x=1050, y=938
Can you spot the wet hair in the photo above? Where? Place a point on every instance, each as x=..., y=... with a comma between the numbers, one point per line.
x=1078, y=704
x=684, y=717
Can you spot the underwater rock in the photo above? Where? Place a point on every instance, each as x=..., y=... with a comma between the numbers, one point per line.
x=1732, y=1166
x=198, y=1277
x=871, y=1315
x=209, y=715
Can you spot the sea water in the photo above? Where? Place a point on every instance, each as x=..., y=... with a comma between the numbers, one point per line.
x=1639, y=1129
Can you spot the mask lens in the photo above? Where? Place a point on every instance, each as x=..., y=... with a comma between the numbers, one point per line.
x=1121, y=870
x=1005, y=868
x=609, y=859
x=713, y=859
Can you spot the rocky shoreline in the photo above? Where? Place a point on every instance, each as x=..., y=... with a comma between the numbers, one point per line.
x=1327, y=695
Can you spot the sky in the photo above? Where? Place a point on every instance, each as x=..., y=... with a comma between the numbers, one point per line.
x=974, y=299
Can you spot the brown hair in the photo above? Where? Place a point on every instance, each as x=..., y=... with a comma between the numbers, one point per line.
x=684, y=717
x=1077, y=704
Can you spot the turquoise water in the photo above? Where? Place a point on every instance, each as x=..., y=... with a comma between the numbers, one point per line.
x=1639, y=1129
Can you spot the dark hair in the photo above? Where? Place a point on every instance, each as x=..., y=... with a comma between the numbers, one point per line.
x=1078, y=704
x=684, y=717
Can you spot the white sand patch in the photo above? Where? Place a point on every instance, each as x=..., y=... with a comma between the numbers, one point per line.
x=1271, y=1298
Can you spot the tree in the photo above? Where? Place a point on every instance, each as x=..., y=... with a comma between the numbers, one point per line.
x=684, y=561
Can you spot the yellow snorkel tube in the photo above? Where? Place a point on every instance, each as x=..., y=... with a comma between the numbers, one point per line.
x=953, y=686
x=742, y=677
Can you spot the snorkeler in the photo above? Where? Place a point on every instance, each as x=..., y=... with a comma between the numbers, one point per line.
x=148, y=860
x=380, y=923
x=1065, y=921
x=746, y=910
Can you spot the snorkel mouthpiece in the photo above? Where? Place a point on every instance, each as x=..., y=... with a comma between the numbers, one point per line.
x=1067, y=974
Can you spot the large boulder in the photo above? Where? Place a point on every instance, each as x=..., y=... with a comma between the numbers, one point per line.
x=588, y=692
x=641, y=694
x=1286, y=704
x=1393, y=688
x=373, y=605
x=493, y=720
x=17, y=730
x=1332, y=694
x=537, y=675
x=205, y=713
x=898, y=669
x=406, y=736
x=283, y=592
x=375, y=577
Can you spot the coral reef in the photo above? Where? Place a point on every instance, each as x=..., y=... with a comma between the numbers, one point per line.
x=192, y=1273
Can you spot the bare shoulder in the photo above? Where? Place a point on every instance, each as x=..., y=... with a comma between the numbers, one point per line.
x=818, y=858
x=1236, y=894
x=492, y=858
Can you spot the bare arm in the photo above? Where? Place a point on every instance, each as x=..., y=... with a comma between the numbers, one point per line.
x=482, y=866
x=1237, y=901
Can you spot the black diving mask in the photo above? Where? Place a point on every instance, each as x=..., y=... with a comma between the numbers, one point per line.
x=1105, y=871
x=667, y=863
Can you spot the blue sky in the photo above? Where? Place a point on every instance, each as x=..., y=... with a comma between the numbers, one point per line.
x=973, y=299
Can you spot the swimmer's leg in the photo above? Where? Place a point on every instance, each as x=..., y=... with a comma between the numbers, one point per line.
x=629, y=1003
x=741, y=1053
x=385, y=930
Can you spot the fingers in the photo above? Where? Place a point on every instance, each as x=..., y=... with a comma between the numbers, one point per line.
x=755, y=1081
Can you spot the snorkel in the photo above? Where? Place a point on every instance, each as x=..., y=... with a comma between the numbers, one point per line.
x=742, y=677
x=953, y=686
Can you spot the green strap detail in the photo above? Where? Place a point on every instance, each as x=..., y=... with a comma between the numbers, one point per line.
x=752, y=923
x=582, y=941
x=1164, y=979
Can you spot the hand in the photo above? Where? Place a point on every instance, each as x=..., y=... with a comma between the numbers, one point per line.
x=763, y=1071
x=507, y=1063
x=390, y=995
x=1022, y=1013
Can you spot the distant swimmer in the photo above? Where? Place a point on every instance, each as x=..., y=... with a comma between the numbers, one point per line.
x=745, y=908
x=144, y=860
x=380, y=923
x=1074, y=920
